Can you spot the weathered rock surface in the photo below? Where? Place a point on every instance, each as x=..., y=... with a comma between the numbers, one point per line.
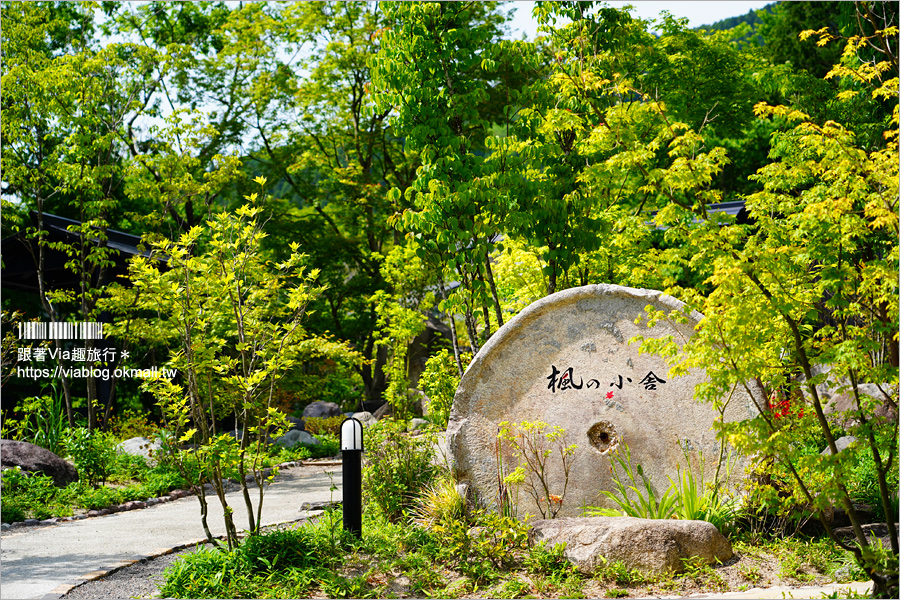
x=652, y=546
x=319, y=409
x=566, y=360
x=140, y=446
x=35, y=459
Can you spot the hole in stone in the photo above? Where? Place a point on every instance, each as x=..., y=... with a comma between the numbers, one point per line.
x=603, y=437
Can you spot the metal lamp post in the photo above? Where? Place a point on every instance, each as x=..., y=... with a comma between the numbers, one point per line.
x=351, y=458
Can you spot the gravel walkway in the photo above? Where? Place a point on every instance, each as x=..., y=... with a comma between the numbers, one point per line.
x=137, y=581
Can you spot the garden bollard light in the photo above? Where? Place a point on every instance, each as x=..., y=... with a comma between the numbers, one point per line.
x=351, y=458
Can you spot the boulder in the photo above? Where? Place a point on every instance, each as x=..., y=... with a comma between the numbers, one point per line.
x=842, y=443
x=840, y=407
x=385, y=410
x=309, y=439
x=296, y=436
x=873, y=531
x=417, y=402
x=417, y=424
x=651, y=546
x=365, y=417
x=296, y=423
x=35, y=459
x=567, y=360
x=140, y=446
x=320, y=409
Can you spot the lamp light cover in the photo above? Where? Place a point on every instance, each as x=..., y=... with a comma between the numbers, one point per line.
x=351, y=435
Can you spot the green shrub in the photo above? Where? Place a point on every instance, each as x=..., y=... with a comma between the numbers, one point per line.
x=324, y=425
x=101, y=497
x=269, y=563
x=33, y=496
x=280, y=549
x=551, y=561
x=698, y=500
x=398, y=467
x=131, y=423
x=93, y=452
x=206, y=573
x=127, y=467
x=439, y=382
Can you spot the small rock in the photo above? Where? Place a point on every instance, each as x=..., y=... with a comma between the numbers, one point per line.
x=4, y=526
x=103, y=512
x=52, y=521
x=17, y=524
x=31, y=522
x=296, y=424
x=93, y=513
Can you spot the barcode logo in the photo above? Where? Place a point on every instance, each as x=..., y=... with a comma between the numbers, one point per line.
x=57, y=330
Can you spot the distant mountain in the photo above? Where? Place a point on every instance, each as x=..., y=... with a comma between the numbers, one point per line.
x=751, y=18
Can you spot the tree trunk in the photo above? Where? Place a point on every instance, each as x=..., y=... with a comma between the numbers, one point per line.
x=498, y=311
x=453, y=338
x=551, y=279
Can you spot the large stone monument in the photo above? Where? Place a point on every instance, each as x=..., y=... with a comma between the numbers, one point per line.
x=566, y=360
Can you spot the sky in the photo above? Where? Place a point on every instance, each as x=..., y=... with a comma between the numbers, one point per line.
x=698, y=13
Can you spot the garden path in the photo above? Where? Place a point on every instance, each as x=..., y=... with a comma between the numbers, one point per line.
x=38, y=562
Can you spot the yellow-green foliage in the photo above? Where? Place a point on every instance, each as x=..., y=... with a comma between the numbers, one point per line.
x=326, y=425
